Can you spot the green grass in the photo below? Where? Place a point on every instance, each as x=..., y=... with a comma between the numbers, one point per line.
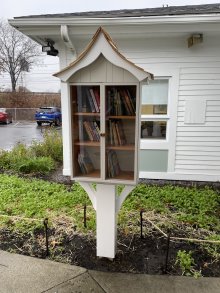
x=200, y=206
x=40, y=199
x=39, y=158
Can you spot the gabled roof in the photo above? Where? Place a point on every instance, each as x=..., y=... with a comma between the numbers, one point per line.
x=159, y=11
x=91, y=53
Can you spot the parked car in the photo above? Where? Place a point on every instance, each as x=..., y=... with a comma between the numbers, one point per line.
x=5, y=116
x=48, y=115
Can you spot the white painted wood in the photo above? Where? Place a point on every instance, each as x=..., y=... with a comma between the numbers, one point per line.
x=66, y=133
x=106, y=223
x=195, y=111
x=121, y=198
x=107, y=204
x=101, y=46
x=181, y=175
x=88, y=187
x=102, y=71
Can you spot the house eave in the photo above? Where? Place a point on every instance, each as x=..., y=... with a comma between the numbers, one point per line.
x=166, y=19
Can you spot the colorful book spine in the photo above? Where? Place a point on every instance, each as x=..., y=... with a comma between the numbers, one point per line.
x=92, y=106
x=94, y=100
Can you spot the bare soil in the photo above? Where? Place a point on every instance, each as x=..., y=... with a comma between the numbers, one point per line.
x=134, y=255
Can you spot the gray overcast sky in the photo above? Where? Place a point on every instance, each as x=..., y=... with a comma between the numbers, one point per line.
x=11, y=8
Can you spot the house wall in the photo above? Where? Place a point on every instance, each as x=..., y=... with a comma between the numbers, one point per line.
x=192, y=148
x=195, y=154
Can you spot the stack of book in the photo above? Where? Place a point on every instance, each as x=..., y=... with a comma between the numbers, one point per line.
x=85, y=163
x=88, y=100
x=116, y=133
x=113, y=168
x=120, y=102
x=92, y=130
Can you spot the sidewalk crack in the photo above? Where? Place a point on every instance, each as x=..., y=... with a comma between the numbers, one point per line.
x=64, y=282
x=97, y=282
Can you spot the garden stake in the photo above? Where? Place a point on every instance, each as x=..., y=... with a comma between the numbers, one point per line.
x=141, y=216
x=46, y=236
x=167, y=253
x=85, y=216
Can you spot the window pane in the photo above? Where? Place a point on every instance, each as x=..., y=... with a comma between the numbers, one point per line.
x=153, y=129
x=155, y=97
x=153, y=160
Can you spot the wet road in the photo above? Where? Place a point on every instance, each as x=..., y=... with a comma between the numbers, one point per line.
x=23, y=132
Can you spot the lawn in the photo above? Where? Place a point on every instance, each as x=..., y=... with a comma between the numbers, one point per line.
x=189, y=213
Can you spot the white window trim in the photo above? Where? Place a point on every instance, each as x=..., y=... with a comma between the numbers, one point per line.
x=169, y=143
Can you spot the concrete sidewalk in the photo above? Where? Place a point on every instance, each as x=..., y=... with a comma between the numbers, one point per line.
x=23, y=274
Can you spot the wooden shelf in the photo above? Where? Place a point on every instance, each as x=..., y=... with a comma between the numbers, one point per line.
x=128, y=147
x=88, y=143
x=86, y=114
x=121, y=117
x=93, y=174
x=124, y=175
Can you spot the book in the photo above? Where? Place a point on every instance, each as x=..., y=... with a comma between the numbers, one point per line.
x=79, y=98
x=81, y=132
x=121, y=133
x=90, y=100
x=113, y=168
x=97, y=96
x=88, y=130
x=94, y=100
x=85, y=163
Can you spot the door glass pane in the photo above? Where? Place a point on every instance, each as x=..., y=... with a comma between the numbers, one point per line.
x=120, y=132
x=86, y=130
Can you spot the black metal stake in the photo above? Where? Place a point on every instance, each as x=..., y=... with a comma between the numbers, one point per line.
x=167, y=252
x=46, y=236
x=85, y=216
x=141, y=221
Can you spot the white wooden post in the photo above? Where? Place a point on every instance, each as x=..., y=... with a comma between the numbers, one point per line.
x=107, y=203
x=66, y=125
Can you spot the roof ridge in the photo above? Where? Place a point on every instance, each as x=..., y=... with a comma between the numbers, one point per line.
x=137, y=12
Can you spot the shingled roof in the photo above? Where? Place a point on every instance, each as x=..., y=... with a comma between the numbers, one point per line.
x=159, y=11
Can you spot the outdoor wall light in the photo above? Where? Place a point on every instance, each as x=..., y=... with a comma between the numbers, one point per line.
x=195, y=39
x=49, y=48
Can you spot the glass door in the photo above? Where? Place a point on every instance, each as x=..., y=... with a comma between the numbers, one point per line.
x=120, y=121
x=86, y=130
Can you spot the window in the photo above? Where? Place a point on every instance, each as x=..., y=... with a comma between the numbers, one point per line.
x=154, y=109
x=153, y=129
x=154, y=126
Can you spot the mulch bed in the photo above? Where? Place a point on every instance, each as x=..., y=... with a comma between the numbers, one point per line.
x=134, y=255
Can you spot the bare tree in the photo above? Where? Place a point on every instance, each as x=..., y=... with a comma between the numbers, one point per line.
x=17, y=52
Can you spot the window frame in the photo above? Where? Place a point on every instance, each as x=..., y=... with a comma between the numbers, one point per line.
x=154, y=142
x=169, y=144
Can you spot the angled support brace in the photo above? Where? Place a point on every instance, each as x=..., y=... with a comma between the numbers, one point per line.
x=107, y=203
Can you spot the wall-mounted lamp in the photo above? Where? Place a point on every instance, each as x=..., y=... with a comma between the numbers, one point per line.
x=49, y=48
x=195, y=39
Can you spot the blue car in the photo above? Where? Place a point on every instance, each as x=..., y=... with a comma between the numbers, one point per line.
x=51, y=115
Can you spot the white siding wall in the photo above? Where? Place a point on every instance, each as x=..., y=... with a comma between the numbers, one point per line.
x=197, y=149
x=197, y=145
